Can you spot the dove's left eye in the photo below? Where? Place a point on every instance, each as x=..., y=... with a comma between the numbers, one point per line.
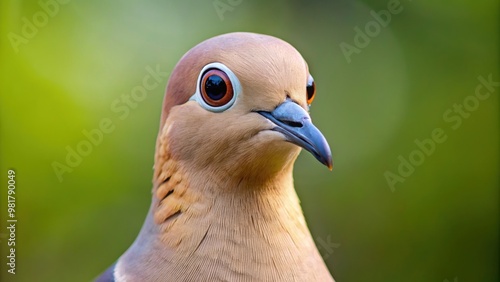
x=311, y=90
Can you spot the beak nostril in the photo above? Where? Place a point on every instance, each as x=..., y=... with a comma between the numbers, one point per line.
x=293, y=123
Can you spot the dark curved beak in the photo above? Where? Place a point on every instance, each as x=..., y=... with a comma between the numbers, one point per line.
x=295, y=123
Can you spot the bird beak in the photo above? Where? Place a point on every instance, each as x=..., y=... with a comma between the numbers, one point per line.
x=295, y=123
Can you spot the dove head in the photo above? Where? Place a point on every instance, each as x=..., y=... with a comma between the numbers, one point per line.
x=236, y=106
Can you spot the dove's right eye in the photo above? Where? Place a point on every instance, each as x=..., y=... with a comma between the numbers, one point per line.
x=216, y=88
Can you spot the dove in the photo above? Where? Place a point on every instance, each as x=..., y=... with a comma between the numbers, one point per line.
x=235, y=116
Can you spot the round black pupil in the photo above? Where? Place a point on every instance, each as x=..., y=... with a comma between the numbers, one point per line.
x=310, y=91
x=215, y=87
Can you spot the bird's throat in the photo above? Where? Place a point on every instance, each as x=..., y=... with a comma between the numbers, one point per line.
x=205, y=220
x=185, y=202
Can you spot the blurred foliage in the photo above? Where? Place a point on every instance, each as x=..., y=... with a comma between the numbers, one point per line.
x=440, y=223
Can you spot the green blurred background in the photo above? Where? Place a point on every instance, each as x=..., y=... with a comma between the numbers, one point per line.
x=440, y=224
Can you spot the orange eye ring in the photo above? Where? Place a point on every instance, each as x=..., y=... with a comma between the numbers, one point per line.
x=310, y=90
x=216, y=88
